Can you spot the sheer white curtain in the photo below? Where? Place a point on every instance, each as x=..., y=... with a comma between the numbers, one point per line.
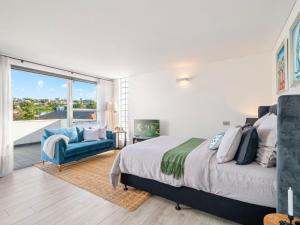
x=104, y=103
x=6, y=143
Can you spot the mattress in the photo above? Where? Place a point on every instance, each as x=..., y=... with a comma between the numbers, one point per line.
x=248, y=183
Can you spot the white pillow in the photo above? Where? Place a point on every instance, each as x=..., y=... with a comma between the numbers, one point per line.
x=91, y=134
x=102, y=132
x=229, y=144
x=94, y=134
x=260, y=120
x=267, y=131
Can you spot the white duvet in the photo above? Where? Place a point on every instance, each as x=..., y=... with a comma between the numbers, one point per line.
x=251, y=183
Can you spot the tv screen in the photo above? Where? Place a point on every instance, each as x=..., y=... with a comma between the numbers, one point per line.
x=146, y=128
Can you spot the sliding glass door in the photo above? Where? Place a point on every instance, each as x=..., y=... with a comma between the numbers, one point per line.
x=84, y=104
x=39, y=102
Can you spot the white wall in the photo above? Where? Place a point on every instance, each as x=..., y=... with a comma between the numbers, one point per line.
x=221, y=91
x=31, y=131
x=284, y=35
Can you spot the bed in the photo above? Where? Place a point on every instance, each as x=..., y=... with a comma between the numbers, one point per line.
x=244, y=194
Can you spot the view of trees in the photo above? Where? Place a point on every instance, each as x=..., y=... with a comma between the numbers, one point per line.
x=30, y=109
x=84, y=104
x=39, y=96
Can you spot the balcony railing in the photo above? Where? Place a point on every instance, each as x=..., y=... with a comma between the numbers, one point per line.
x=30, y=131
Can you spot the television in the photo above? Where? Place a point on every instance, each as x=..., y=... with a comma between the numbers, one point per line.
x=146, y=128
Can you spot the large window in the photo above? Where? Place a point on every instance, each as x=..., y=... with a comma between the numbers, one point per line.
x=37, y=96
x=44, y=100
x=123, y=112
x=84, y=103
x=39, y=102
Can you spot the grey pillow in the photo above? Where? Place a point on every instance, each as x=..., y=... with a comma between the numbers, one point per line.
x=215, y=141
x=247, y=149
x=267, y=134
x=266, y=156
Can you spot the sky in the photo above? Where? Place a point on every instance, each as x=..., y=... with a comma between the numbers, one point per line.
x=36, y=86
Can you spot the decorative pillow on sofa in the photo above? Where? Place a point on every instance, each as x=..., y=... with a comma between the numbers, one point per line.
x=215, y=141
x=80, y=134
x=71, y=133
x=94, y=134
x=102, y=133
x=247, y=149
x=229, y=144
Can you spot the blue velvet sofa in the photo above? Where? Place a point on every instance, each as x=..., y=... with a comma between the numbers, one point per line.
x=76, y=149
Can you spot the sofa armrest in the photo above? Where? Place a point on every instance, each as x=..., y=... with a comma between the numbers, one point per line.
x=112, y=136
x=60, y=148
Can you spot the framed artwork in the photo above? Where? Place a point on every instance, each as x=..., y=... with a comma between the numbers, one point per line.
x=282, y=68
x=294, y=51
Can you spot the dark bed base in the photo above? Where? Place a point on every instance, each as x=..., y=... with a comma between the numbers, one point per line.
x=234, y=210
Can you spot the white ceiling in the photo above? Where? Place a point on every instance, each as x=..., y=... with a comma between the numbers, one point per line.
x=127, y=37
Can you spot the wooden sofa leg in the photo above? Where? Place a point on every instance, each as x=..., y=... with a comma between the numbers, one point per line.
x=59, y=168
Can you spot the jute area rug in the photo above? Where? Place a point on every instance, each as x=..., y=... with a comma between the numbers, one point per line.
x=93, y=176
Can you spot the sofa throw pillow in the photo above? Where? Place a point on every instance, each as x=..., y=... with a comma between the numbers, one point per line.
x=71, y=133
x=102, y=132
x=215, y=141
x=91, y=134
x=229, y=145
x=94, y=134
x=247, y=149
x=267, y=131
x=80, y=133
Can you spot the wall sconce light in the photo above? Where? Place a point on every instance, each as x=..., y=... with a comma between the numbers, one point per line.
x=183, y=81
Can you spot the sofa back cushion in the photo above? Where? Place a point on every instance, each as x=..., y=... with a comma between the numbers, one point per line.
x=71, y=133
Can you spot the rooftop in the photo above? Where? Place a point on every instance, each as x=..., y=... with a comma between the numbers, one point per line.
x=77, y=114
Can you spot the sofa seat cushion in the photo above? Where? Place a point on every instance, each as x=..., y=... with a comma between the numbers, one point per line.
x=75, y=149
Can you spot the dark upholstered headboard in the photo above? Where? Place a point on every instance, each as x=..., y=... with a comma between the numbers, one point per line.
x=288, y=152
x=263, y=110
x=288, y=149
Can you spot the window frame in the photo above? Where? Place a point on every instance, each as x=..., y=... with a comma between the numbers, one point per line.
x=69, y=82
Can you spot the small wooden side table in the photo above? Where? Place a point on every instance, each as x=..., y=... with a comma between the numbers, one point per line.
x=274, y=218
x=118, y=138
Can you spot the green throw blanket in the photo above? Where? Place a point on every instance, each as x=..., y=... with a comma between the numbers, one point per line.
x=173, y=160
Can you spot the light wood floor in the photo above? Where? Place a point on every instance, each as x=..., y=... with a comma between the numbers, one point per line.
x=31, y=196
